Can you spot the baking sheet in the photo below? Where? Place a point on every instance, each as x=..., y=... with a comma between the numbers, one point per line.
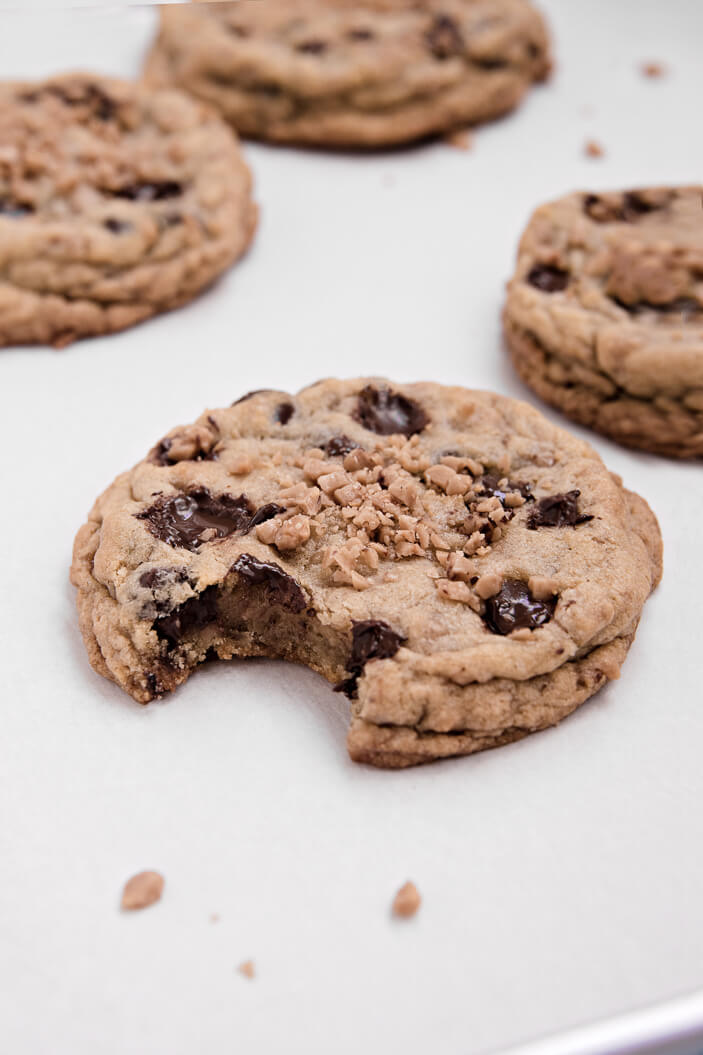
x=561, y=876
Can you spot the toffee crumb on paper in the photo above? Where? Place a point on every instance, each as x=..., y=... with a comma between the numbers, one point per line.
x=142, y=890
x=593, y=149
x=407, y=901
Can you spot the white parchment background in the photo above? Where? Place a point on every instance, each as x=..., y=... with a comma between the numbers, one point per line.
x=562, y=876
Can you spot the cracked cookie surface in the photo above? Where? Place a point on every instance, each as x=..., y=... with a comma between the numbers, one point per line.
x=604, y=316
x=116, y=202
x=347, y=73
x=463, y=570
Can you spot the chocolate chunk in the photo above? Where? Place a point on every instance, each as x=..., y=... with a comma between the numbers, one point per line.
x=548, y=279
x=312, y=47
x=284, y=412
x=371, y=639
x=514, y=608
x=145, y=192
x=117, y=226
x=103, y=106
x=155, y=685
x=181, y=520
x=98, y=101
x=634, y=206
x=249, y=395
x=14, y=209
x=193, y=614
x=444, y=38
x=160, y=454
x=281, y=587
x=271, y=90
x=360, y=34
x=627, y=210
x=387, y=413
x=597, y=209
x=686, y=307
x=489, y=63
x=264, y=513
x=488, y=485
x=159, y=582
x=338, y=446
x=158, y=578
x=557, y=511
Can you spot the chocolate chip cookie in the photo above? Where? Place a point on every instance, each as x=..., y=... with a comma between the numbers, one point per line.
x=116, y=202
x=464, y=571
x=363, y=73
x=604, y=316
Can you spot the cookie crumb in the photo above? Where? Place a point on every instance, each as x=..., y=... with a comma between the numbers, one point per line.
x=247, y=969
x=460, y=139
x=593, y=149
x=215, y=917
x=407, y=901
x=653, y=69
x=142, y=890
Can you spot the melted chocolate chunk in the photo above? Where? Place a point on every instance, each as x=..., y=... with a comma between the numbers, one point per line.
x=557, y=511
x=181, y=520
x=14, y=209
x=371, y=639
x=444, y=38
x=117, y=226
x=312, y=47
x=360, y=34
x=281, y=587
x=489, y=486
x=387, y=413
x=284, y=412
x=264, y=513
x=548, y=279
x=514, y=608
x=338, y=446
x=193, y=614
x=157, y=191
